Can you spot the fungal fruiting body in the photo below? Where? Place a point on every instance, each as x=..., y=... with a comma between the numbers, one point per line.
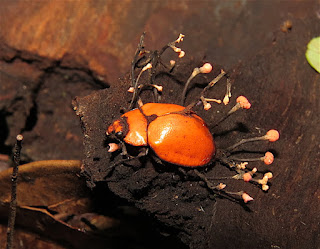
x=176, y=134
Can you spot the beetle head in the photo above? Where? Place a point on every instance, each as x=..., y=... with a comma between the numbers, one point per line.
x=118, y=129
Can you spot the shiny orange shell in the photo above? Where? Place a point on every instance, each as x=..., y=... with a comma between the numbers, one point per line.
x=175, y=135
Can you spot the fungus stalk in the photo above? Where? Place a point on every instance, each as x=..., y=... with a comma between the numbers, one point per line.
x=271, y=136
x=149, y=60
x=172, y=45
x=204, y=69
x=135, y=89
x=241, y=103
x=268, y=158
x=133, y=67
x=154, y=58
x=221, y=188
x=227, y=96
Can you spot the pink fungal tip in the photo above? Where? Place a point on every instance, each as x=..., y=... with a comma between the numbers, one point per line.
x=181, y=54
x=272, y=135
x=131, y=89
x=246, y=198
x=247, y=177
x=113, y=147
x=244, y=102
x=221, y=186
x=207, y=106
x=268, y=175
x=159, y=88
x=268, y=158
x=206, y=68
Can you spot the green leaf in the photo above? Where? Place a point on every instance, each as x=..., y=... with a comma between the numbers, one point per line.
x=313, y=53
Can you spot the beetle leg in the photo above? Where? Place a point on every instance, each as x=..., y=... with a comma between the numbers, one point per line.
x=124, y=151
x=143, y=153
x=157, y=159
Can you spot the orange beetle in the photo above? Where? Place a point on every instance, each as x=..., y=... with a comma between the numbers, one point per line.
x=176, y=134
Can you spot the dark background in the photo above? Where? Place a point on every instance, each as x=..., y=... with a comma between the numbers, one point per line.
x=53, y=51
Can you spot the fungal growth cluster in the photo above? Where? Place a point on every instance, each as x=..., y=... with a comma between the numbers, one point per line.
x=175, y=135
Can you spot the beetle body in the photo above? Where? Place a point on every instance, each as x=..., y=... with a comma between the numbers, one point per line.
x=175, y=134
